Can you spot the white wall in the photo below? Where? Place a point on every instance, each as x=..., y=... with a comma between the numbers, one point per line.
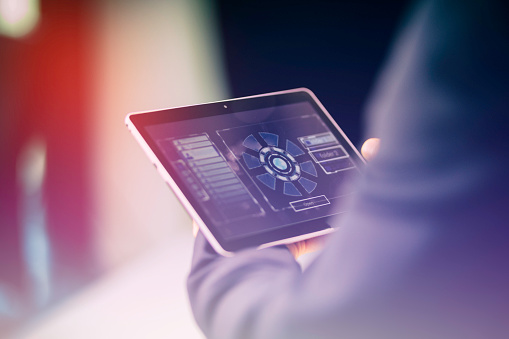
x=150, y=54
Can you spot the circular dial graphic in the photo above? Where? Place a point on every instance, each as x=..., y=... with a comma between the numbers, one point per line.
x=279, y=164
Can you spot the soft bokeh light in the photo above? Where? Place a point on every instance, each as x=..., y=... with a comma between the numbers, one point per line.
x=18, y=17
x=33, y=217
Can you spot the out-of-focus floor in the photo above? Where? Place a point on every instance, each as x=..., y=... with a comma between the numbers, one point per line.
x=144, y=298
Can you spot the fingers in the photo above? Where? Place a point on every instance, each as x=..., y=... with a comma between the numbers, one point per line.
x=370, y=148
x=306, y=246
x=297, y=249
x=195, y=229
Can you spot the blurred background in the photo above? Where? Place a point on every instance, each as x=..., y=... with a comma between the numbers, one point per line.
x=92, y=242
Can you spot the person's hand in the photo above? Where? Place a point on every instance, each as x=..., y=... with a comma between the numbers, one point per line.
x=196, y=229
x=369, y=150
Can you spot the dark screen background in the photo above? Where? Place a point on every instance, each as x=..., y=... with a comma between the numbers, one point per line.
x=227, y=133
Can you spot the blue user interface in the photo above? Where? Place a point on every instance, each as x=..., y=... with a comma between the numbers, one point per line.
x=260, y=170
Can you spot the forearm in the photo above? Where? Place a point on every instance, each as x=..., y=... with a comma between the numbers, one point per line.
x=232, y=297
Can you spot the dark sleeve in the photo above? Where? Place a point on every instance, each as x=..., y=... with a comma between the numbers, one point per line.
x=427, y=227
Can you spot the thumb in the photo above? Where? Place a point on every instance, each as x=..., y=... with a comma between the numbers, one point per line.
x=370, y=148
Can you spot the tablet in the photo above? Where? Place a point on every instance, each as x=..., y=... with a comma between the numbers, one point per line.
x=256, y=171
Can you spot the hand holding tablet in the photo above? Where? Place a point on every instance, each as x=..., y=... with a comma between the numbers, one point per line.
x=255, y=171
x=369, y=150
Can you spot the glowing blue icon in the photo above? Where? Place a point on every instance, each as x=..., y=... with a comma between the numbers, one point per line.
x=279, y=163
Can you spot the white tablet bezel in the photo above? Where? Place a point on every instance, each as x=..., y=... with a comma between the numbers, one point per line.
x=185, y=201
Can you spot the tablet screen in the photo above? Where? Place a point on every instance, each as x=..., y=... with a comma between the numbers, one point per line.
x=259, y=170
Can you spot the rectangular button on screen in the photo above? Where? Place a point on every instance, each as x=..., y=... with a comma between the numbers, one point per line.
x=306, y=204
